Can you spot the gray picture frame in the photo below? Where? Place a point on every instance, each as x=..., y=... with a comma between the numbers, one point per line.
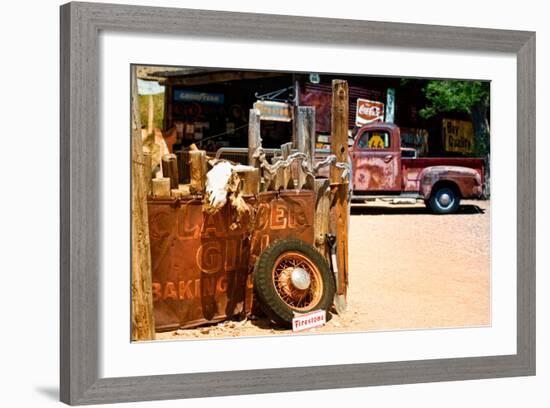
x=81, y=24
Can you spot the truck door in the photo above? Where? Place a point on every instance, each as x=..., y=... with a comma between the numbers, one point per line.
x=376, y=161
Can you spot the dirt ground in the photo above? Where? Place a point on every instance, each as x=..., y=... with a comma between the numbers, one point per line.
x=409, y=269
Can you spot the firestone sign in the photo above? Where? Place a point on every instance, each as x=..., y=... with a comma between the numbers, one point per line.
x=368, y=112
x=309, y=320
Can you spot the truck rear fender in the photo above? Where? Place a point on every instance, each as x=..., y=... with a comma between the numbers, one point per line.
x=465, y=180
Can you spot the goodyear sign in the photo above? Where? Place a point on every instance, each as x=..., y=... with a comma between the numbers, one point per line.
x=183, y=95
x=458, y=136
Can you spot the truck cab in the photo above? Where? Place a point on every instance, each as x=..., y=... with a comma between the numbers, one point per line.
x=380, y=169
x=376, y=158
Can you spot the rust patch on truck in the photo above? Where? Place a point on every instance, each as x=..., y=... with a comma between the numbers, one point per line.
x=468, y=181
x=201, y=268
x=374, y=173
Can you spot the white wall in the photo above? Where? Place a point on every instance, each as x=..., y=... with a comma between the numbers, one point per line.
x=29, y=206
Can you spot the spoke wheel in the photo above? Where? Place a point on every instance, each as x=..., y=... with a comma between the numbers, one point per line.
x=298, y=297
x=292, y=277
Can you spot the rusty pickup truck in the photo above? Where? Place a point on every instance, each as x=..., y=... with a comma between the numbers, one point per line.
x=382, y=169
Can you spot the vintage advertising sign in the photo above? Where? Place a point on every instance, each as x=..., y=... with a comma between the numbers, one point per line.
x=183, y=95
x=309, y=320
x=368, y=112
x=458, y=136
x=201, y=265
x=276, y=111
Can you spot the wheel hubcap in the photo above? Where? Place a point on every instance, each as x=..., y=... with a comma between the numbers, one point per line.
x=445, y=199
x=300, y=278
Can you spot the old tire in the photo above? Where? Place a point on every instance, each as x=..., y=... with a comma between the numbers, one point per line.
x=291, y=276
x=444, y=200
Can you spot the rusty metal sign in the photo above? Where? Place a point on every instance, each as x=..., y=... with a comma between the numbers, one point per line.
x=275, y=111
x=458, y=136
x=201, y=268
x=368, y=111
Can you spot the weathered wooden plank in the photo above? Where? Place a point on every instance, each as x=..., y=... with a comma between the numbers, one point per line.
x=183, y=166
x=198, y=168
x=150, y=113
x=147, y=172
x=170, y=169
x=305, y=141
x=211, y=78
x=251, y=181
x=161, y=186
x=254, y=137
x=143, y=325
x=322, y=216
x=276, y=182
x=288, y=182
x=339, y=148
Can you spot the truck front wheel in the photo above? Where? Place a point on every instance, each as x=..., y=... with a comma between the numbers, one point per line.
x=444, y=200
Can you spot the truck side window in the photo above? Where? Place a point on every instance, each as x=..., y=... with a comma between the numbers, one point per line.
x=374, y=140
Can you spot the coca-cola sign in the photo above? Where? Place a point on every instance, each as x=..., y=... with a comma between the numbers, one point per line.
x=368, y=112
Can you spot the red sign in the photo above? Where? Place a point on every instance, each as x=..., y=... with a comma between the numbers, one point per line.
x=309, y=320
x=368, y=112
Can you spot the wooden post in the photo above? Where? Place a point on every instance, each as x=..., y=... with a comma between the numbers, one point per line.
x=322, y=216
x=143, y=324
x=306, y=132
x=287, y=174
x=150, y=114
x=161, y=186
x=255, y=141
x=254, y=137
x=278, y=179
x=183, y=166
x=170, y=169
x=294, y=127
x=251, y=181
x=339, y=147
x=168, y=109
x=198, y=168
x=305, y=140
x=147, y=171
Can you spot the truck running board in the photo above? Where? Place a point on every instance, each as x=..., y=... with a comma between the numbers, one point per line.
x=394, y=199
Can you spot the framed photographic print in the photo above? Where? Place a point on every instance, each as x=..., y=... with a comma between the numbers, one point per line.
x=261, y=203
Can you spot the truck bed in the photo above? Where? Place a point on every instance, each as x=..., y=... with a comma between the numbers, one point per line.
x=411, y=168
